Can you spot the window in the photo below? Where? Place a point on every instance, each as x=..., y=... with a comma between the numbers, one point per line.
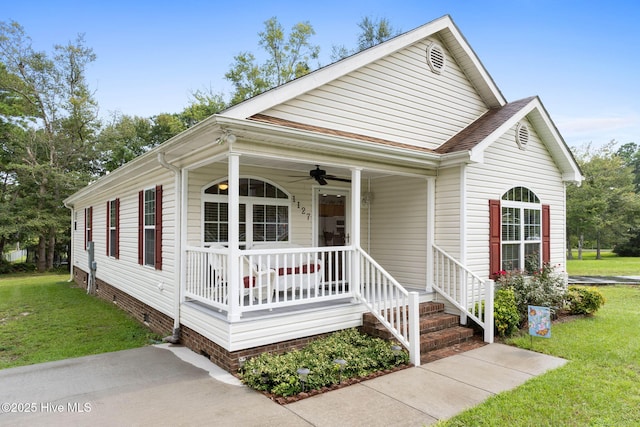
x=113, y=228
x=264, y=212
x=150, y=227
x=88, y=226
x=519, y=232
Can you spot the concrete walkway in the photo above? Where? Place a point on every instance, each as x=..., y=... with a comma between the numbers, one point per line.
x=171, y=385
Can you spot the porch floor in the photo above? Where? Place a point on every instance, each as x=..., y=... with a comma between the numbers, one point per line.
x=291, y=309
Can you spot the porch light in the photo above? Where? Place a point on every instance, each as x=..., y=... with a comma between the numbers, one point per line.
x=223, y=186
x=341, y=363
x=302, y=376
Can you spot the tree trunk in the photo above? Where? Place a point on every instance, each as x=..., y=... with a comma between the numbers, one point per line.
x=42, y=254
x=598, y=256
x=51, y=251
x=569, y=251
x=580, y=243
x=3, y=241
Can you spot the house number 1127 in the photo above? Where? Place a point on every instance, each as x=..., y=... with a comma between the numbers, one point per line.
x=303, y=209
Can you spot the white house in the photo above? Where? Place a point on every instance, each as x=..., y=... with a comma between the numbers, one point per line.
x=397, y=175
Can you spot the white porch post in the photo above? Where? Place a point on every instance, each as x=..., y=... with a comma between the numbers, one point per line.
x=233, y=261
x=355, y=229
x=431, y=230
x=488, y=311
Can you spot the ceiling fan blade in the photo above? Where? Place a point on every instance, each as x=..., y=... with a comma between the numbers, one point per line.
x=335, y=178
x=321, y=180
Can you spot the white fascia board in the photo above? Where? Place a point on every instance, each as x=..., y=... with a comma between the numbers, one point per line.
x=476, y=73
x=333, y=71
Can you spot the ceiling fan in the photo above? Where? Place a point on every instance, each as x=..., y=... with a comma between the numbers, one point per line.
x=321, y=176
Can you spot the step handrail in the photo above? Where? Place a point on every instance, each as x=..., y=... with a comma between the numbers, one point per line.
x=469, y=293
x=390, y=303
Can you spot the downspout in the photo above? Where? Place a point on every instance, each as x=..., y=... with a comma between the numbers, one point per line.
x=175, y=337
x=71, y=248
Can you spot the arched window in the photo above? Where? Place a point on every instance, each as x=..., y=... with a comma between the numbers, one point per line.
x=519, y=232
x=264, y=212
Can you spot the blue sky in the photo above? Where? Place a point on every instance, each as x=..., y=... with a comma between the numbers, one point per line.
x=580, y=57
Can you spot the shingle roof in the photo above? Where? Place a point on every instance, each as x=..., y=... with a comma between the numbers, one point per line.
x=302, y=126
x=477, y=131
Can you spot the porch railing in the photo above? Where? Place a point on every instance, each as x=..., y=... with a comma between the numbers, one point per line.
x=268, y=278
x=395, y=307
x=469, y=293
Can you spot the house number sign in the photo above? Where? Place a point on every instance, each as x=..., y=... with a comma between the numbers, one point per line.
x=303, y=210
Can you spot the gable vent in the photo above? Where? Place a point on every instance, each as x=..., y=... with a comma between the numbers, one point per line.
x=436, y=58
x=522, y=135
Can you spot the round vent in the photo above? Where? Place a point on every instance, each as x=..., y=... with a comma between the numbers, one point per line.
x=436, y=58
x=522, y=135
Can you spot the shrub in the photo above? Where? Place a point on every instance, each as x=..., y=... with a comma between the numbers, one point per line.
x=583, y=300
x=543, y=288
x=277, y=374
x=505, y=310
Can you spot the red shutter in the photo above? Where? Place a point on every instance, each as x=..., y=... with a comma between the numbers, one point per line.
x=546, y=234
x=117, y=242
x=108, y=226
x=141, y=228
x=158, y=236
x=494, y=238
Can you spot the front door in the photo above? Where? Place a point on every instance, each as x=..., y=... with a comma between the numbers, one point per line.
x=332, y=228
x=331, y=217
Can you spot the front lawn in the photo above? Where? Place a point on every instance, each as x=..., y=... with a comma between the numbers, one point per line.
x=45, y=318
x=600, y=386
x=609, y=265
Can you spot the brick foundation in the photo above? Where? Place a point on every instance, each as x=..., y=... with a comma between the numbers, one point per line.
x=162, y=324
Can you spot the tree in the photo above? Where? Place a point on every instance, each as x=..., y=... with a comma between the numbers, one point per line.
x=122, y=140
x=605, y=206
x=372, y=32
x=53, y=150
x=287, y=58
x=203, y=104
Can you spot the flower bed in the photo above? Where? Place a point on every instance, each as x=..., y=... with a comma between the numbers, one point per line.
x=343, y=358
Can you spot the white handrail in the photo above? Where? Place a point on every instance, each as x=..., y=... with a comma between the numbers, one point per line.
x=469, y=293
x=391, y=304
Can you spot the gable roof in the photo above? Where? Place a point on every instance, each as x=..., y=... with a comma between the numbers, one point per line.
x=480, y=134
x=443, y=27
x=468, y=138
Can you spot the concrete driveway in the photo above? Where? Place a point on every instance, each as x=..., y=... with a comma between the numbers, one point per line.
x=173, y=386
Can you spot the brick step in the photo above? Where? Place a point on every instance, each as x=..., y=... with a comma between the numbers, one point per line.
x=438, y=330
x=444, y=338
x=428, y=323
x=424, y=309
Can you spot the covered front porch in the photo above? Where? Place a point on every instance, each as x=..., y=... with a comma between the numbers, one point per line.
x=261, y=232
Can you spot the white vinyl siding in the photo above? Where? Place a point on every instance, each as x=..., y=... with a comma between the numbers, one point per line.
x=399, y=228
x=448, y=210
x=506, y=166
x=153, y=287
x=396, y=98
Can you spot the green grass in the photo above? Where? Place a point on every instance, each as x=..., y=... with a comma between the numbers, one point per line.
x=609, y=265
x=600, y=386
x=44, y=318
